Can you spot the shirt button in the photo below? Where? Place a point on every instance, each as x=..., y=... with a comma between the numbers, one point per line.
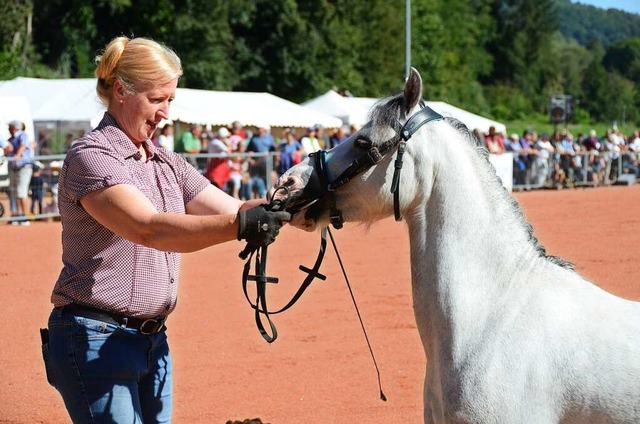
x=172, y=280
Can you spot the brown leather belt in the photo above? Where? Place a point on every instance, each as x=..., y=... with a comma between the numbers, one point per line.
x=144, y=325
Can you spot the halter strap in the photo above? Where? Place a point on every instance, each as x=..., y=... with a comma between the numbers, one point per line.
x=372, y=157
x=424, y=116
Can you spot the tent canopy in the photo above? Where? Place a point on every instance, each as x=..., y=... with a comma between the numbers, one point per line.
x=351, y=110
x=76, y=100
x=354, y=110
x=12, y=108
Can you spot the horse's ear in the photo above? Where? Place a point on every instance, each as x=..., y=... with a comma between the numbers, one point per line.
x=412, y=90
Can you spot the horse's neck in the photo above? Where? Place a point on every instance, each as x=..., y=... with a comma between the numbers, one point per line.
x=467, y=247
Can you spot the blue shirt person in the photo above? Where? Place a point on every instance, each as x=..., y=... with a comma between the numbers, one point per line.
x=291, y=152
x=262, y=142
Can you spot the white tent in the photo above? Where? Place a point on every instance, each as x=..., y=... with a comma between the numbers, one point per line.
x=14, y=108
x=68, y=100
x=75, y=100
x=224, y=107
x=354, y=110
x=471, y=120
x=351, y=110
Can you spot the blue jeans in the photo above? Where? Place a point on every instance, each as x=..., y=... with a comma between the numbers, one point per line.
x=259, y=185
x=107, y=373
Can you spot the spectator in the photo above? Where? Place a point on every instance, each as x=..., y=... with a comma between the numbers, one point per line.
x=512, y=144
x=337, y=138
x=566, y=155
x=19, y=171
x=541, y=163
x=127, y=208
x=201, y=160
x=591, y=142
x=236, y=129
x=290, y=152
x=595, y=162
x=218, y=171
x=310, y=142
x=165, y=139
x=263, y=143
x=190, y=143
x=37, y=188
x=321, y=136
x=494, y=141
x=237, y=165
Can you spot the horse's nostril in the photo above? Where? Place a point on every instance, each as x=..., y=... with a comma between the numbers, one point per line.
x=286, y=181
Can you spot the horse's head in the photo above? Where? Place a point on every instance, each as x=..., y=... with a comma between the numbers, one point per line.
x=355, y=180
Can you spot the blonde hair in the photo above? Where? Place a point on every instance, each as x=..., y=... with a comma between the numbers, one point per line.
x=139, y=64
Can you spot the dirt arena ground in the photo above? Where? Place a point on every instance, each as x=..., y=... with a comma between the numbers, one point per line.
x=319, y=370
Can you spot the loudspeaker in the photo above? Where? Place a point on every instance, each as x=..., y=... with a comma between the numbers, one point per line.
x=557, y=108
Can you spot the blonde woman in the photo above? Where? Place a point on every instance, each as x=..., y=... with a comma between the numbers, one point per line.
x=128, y=209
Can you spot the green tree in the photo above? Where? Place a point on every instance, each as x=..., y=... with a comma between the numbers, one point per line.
x=16, y=52
x=595, y=83
x=624, y=57
x=275, y=49
x=524, y=30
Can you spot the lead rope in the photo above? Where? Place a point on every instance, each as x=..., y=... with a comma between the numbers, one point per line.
x=364, y=330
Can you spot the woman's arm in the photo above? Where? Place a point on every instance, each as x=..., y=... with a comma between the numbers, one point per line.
x=124, y=210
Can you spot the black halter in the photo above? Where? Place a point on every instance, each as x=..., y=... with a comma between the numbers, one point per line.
x=369, y=159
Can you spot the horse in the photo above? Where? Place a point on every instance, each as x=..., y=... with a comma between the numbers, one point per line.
x=511, y=333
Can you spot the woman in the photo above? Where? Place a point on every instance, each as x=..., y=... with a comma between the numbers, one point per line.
x=127, y=208
x=218, y=171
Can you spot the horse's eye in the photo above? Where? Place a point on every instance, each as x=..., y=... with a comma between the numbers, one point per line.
x=363, y=143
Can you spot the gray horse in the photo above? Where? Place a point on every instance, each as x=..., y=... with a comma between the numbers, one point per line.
x=512, y=335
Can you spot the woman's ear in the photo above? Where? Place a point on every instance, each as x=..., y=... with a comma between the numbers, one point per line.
x=119, y=91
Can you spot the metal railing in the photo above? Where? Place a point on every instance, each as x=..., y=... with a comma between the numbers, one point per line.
x=586, y=169
x=50, y=171
x=579, y=170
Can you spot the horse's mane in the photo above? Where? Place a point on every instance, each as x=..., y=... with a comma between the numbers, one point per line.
x=388, y=110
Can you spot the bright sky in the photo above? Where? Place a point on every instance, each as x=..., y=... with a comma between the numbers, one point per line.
x=632, y=6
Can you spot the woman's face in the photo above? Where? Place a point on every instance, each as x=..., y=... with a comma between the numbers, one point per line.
x=138, y=114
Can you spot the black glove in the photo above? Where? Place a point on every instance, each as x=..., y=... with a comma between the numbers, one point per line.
x=259, y=227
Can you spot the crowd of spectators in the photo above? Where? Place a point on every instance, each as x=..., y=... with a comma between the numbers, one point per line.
x=245, y=162
x=563, y=159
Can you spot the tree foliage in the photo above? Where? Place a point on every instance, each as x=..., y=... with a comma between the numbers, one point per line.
x=497, y=57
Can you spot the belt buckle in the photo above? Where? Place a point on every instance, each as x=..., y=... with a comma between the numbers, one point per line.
x=154, y=325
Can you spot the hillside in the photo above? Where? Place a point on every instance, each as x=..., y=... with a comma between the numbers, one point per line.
x=586, y=24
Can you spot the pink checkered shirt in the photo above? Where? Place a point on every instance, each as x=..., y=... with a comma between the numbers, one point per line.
x=104, y=270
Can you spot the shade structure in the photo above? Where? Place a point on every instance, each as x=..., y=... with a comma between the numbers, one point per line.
x=75, y=100
x=350, y=110
x=471, y=120
x=14, y=108
x=355, y=110
x=253, y=109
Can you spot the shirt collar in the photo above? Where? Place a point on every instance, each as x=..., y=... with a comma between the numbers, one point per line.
x=123, y=144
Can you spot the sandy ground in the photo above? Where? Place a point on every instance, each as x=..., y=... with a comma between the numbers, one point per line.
x=319, y=370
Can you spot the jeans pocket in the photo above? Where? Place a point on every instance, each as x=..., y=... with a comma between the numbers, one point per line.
x=44, y=335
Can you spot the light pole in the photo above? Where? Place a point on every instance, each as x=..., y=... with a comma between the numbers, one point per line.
x=407, y=39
